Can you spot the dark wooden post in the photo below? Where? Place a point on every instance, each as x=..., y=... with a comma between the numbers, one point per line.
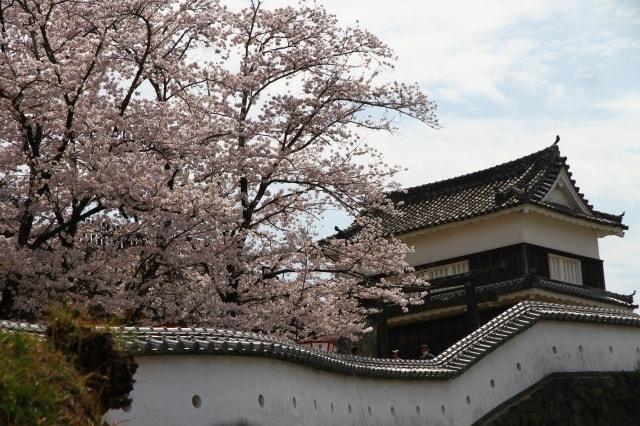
x=473, y=320
x=525, y=259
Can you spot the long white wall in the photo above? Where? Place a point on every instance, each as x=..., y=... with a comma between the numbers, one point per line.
x=239, y=390
x=499, y=231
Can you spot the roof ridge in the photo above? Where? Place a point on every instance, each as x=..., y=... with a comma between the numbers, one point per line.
x=550, y=173
x=484, y=173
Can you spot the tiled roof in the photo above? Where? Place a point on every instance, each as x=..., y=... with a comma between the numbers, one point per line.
x=148, y=341
x=523, y=181
x=454, y=293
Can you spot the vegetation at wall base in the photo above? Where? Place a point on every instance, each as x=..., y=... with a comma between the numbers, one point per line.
x=38, y=386
x=95, y=353
x=72, y=377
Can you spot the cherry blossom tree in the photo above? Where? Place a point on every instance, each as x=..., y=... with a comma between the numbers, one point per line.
x=167, y=161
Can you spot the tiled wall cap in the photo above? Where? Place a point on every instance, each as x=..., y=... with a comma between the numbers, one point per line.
x=452, y=362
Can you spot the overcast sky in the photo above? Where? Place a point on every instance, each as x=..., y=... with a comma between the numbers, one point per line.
x=510, y=75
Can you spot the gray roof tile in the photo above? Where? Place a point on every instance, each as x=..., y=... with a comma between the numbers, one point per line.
x=452, y=362
x=447, y=294
x=522, y=181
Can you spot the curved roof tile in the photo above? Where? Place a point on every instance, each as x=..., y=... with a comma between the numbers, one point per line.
x=522, y=181
x=158, y=341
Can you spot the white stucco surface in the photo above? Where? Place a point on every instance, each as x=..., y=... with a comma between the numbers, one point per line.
x=230, y=387
x=499, y=231
x=564, y=236
x=563, y=192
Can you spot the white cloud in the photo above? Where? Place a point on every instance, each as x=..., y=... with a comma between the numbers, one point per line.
x=476, y=49
x=473, y=49
x=451, y=46
x=627, y=104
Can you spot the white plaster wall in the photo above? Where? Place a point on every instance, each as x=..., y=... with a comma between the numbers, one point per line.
x=553, y=233
x=465, y=238
x=230, y=386
x=500, y=231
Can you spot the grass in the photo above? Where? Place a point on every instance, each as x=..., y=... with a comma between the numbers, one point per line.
x=70, y=376
x=38, y=386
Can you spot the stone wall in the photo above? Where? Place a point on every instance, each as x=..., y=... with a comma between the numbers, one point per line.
x=580, y=399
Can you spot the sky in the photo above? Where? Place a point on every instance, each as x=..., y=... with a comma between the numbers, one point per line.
x=507, y=77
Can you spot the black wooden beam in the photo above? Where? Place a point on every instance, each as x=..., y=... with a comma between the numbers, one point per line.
x=473, y=319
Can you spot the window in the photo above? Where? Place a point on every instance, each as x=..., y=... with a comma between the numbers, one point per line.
x=565, y=269
x=439, y=272
x=445, y=270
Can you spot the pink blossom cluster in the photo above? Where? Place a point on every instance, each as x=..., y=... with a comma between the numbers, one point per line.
x=165, y=161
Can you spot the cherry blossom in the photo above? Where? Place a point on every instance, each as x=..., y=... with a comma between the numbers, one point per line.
x=166, y=161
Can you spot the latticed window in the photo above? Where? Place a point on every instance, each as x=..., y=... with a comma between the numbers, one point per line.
x=565, y=269
x=446, y=270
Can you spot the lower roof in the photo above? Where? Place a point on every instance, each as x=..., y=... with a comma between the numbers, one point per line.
x=452, y=296
x=447, y=295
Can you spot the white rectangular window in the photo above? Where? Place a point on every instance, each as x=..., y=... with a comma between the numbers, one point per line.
x=565, y=269
x=445, y=270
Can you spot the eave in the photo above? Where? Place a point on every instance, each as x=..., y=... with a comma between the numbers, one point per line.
x=603, y=229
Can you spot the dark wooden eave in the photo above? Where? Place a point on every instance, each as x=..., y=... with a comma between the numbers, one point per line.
x=447, y=294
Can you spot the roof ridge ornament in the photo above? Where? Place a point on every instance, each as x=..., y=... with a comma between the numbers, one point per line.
x=557, y=140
